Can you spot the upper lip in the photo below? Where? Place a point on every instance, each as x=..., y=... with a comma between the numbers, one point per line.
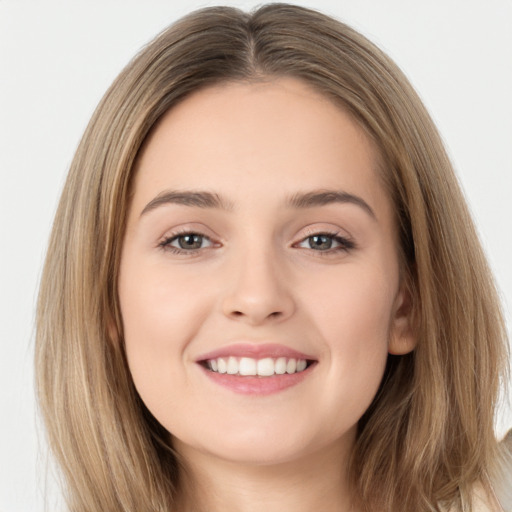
x=255, y=351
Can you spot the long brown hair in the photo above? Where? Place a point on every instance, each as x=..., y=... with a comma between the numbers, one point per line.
x=428, y=435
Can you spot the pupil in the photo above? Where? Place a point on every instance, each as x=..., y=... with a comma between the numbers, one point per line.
x=321, y=242
x=190, y=241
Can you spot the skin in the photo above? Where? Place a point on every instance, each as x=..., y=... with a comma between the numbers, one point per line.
x=258, y=278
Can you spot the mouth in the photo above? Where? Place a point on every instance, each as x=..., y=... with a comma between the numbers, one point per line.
x=251, y=367
x=256, y=369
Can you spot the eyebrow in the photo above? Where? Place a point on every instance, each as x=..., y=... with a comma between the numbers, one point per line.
x=204, y=199
x=198, y=199
x=325, y=197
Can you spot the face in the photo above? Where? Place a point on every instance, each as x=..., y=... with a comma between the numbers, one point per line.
x=259, y=281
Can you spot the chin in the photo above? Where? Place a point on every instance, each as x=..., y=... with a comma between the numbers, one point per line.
x=260, y=446
x=257, y=454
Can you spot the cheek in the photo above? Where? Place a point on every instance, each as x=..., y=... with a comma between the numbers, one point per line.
x=353, y=319
x=355, y=308
x=157, y=301
x=161, y=314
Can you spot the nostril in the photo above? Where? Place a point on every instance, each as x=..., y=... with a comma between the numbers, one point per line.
x=274, y=314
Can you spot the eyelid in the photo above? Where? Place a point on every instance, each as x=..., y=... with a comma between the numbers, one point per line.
x=334, y=237
x=345, y=241
x=173, y=238
x=164, y=242
x=197, y=228
x=334, y=231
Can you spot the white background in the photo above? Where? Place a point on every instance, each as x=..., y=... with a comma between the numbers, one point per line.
x=58, y=58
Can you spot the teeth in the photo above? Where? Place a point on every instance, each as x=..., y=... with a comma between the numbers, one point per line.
x=265, y=367
x=221, y=365
x=247, y=366
x=232, y=366
x=280, y=366
x=291, y=366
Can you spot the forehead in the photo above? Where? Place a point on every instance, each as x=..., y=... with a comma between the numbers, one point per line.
x=273, y=136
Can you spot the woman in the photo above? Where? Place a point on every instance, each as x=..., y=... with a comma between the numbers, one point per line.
x=263, y=277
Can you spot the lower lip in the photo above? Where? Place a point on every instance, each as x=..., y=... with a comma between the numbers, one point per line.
x=249, y=385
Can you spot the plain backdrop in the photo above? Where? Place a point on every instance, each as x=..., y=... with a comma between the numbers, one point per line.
x=58, y=58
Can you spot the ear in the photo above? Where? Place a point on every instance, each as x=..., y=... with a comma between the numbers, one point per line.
x=113, y=331
x=403, y=331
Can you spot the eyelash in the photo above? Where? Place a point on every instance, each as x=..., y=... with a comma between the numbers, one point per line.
x=165, y=244
x=345, y=245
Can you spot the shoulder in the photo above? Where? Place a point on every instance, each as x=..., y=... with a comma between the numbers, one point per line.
x=502, y=482
x=496, y=495
x=486, y=500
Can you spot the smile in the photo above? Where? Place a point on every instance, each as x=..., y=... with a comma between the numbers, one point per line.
x=256, y=369
x=248, y=366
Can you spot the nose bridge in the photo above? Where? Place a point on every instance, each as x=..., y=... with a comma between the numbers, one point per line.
x=257, y=288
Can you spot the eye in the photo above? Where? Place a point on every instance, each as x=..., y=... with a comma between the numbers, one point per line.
x=326, y=242
x=186, y=242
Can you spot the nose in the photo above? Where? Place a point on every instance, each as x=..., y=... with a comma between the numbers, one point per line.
x=258, y=290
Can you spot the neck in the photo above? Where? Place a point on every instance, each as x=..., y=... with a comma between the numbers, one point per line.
x=315, y=482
